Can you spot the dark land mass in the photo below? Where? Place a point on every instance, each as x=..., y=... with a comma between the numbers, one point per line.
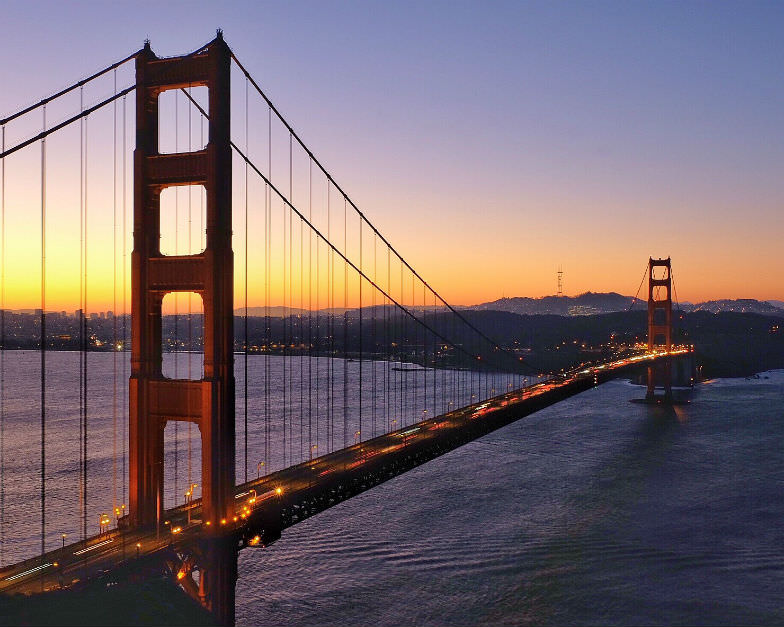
x=727, y=343
x=591, y=303
x=153, y=600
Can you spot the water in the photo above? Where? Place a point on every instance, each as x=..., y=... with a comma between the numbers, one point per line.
x=594, y=511
x=297, y=407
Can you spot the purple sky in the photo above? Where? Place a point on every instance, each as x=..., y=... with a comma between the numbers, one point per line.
x=493, y=142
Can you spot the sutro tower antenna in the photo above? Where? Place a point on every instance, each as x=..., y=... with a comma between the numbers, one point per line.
x=560, y=282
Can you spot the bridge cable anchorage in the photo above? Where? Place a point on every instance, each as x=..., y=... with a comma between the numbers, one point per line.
x=361, y=215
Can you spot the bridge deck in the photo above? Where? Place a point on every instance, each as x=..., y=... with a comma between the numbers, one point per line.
x=264, y=507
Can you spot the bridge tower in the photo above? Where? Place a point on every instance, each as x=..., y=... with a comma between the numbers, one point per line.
x=155, y=400
x=660, y=327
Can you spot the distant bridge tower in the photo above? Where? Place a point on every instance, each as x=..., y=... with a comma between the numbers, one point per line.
x=660, y=327
x=560, y=282
x=155, y=400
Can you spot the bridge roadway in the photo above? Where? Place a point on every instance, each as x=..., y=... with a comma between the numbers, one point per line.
x=264, y=507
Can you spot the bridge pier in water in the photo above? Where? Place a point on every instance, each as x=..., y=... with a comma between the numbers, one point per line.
x=154, y=399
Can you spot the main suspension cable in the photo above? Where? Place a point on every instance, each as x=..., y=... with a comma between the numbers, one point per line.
x=82, y=114
x=634, y=300
x=70, y=88
x=363, y=217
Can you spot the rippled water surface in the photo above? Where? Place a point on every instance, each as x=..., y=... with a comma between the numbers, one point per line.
x=595, y=511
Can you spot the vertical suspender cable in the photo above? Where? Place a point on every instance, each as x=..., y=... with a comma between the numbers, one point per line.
x=176, y=294
x=415, y=333
x=43, y=337
x=190, y=305
x=385, y=352
x=2, y=349
x=331, y=305
x=403, y=340
x=291, y=302
x=310, y=309
x=284, y=250
x=318, y=328
x=300, y=338
x=387, y=344
x=85, y=340
x=114, y=299
x=424, y=350
x=81, y=312
x=267, y=291
x=202, y=232
x=293, y=319
x=361, y=354
x=125, y=302
x=345, y=326
x=435, y=357
x=286, y=314
x=374, y=336
x=245, y=320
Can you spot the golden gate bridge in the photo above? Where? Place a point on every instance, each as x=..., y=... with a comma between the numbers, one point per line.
x=306, y=334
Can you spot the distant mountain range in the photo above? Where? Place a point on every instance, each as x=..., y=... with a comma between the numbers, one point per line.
x=587, y=304
x=592, y=303
x=740, y=305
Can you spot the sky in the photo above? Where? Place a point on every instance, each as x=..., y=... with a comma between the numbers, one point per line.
x=491, y=143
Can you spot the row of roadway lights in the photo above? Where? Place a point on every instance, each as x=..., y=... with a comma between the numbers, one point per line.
x=104, y=520
x=103, y=526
